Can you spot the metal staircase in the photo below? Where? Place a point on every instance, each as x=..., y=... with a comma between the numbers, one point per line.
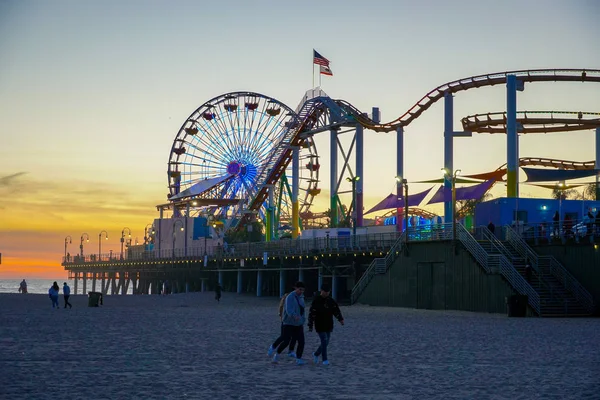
x=563, y=294
x=493, y=260
x=377, y=266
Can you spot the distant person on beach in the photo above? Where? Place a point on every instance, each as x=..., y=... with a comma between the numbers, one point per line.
x=278, y=341
x=53, y=294
x=491, y=227
x=67, y=294
x=23, y=287
x=322, y=311
x=555, y=223
x=293, y=322
x=218, y=289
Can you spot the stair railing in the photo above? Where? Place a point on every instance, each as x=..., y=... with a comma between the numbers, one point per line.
x=375, y=268
x=555, y=268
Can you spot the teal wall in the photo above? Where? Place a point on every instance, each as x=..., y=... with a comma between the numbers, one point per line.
x=433, y=277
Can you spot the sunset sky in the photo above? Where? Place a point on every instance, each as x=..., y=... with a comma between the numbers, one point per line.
x=92, y=95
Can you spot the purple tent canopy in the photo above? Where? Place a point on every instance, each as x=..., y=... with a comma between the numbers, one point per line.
x=547, y=175
x=468, y=193
x=392, y=201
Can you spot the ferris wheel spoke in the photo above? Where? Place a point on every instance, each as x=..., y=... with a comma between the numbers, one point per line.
x=204, y=151
x=214, y=133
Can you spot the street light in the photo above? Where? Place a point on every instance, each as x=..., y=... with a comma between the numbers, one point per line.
x=100, y=244
x=146, y=238
x=68, y=240
x=354, y=210
x=174, y=232
x=404, y=183
x=123, y=238
x=452, y=177
x=87, y=237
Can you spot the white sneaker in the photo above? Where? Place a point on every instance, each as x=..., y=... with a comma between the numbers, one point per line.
x=300, y=361
x=275, y=358
x=292, y=354
x=326, y=363
x=315, y=359
x=270, y=351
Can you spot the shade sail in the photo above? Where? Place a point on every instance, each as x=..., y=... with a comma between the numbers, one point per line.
x=200, y=187
x=392, y=201
x=567, y=187
x=547, y=175
x=468, y=193
x=441, y=180
x=495, y=175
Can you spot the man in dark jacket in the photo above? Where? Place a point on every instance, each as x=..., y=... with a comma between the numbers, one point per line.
x=322, y=311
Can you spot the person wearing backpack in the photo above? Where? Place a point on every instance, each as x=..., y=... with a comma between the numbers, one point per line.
x=293, y=322
x=322, y=311
x=278, y=341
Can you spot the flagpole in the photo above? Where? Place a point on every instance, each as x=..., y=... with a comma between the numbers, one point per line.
x=313, y=68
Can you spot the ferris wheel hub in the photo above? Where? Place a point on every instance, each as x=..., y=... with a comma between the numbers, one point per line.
x=234, y=168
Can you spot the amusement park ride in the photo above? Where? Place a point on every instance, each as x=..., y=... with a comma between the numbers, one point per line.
x=244, y=156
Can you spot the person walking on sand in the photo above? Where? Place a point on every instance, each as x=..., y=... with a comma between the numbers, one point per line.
x=23, y=287
x=53, y=294
x=322, y=311
x=278, y=341
x=218, y=290
x=293, y=322
x=67, y=294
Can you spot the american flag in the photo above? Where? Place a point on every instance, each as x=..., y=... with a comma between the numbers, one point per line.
x=319, y=59
x=325, y=70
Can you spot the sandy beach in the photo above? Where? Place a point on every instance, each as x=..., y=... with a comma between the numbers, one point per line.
x=187, y=346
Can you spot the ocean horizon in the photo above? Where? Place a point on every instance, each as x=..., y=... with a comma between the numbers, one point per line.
x=41, y=286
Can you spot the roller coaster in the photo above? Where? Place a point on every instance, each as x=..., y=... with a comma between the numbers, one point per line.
x=238, y=157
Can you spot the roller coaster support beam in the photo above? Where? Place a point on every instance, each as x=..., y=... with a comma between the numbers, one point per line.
x=358, y=206
x=399, y=171
x=270, y=217
x=295, y=189
x=449, y=135
x=597, y=163
x=512, y=137
x=333, y=221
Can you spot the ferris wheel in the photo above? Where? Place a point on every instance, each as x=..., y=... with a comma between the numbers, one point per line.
x=222, y=149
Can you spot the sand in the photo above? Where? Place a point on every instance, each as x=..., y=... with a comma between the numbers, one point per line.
x=186, y=346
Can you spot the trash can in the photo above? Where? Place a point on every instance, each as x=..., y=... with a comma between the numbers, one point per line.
x=517, y=305
x=94, y=299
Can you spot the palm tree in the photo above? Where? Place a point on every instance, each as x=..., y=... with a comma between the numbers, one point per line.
x=467, y=207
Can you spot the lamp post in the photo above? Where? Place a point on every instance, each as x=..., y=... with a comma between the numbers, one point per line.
x=123, y=238
x=354, y=210
x=100, y=244
x=404, y=183
x=68, y=240
x=87, y=237
x=146, y=238
x=453, y=176
x=174, y=233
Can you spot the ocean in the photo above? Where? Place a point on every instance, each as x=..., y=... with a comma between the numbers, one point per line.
x=39, y=286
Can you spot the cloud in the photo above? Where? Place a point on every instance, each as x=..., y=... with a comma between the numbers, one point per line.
x=9, y=180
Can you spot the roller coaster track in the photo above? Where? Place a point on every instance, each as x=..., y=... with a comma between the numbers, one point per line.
x=342, y=111
x=536, y=75
x=533, y=121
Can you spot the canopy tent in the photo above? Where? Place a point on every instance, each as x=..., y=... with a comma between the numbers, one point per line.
x=547, y=175
x=201, y=187
x=468, y=193
x=393, y=201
